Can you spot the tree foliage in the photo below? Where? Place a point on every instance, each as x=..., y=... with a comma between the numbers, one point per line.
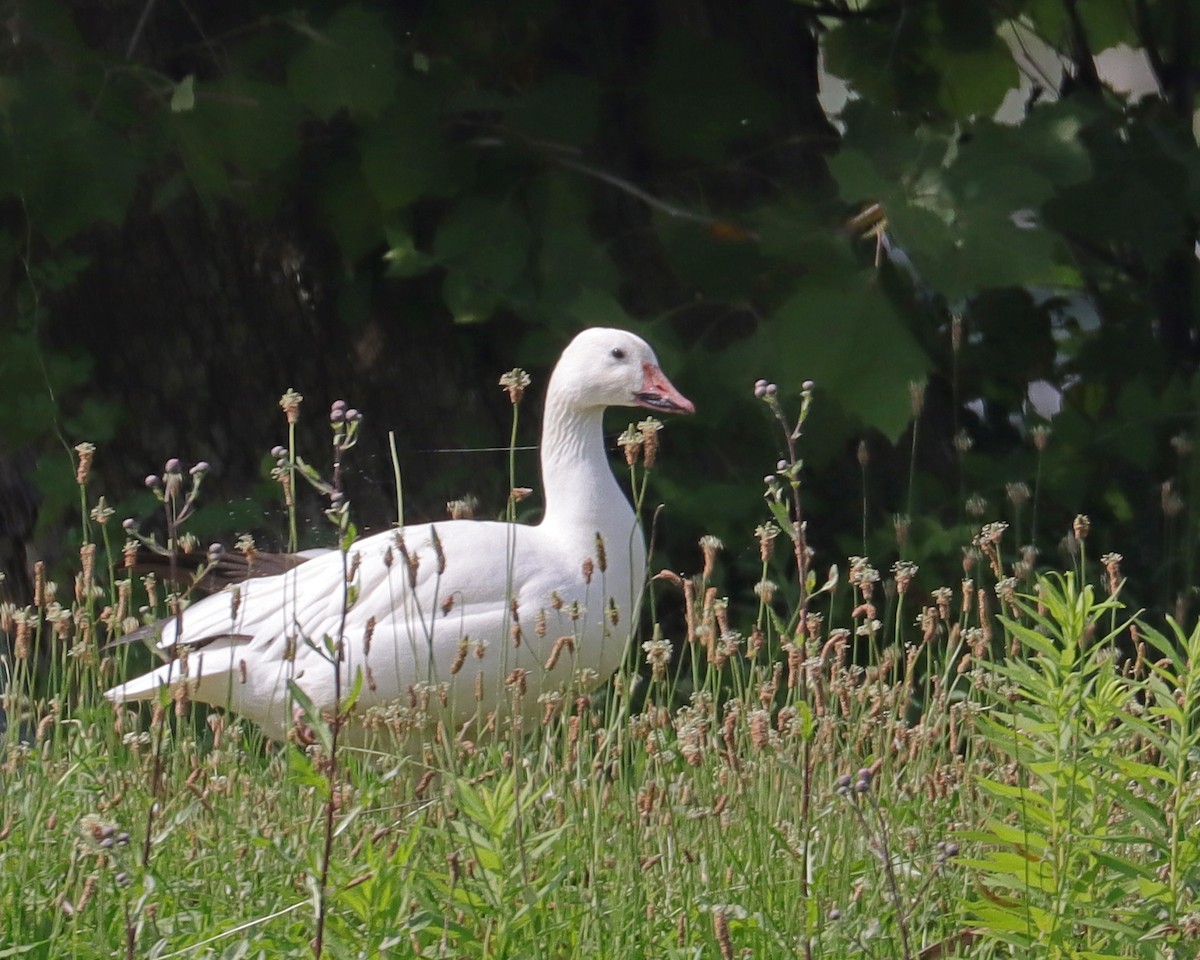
x=523, y=169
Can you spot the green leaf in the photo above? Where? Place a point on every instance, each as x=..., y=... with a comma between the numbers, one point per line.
x=312, y=716
x=839, y=330
x=235, y=126
x=350, y=208
x=349, y=64
x=183, y=96
x=69, y=169
x=484, y=244
x=404, y=156
x=403, y=259
x=570, y=261
x=974, y=81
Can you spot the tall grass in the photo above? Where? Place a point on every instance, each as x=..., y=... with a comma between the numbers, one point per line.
x=1004, y=769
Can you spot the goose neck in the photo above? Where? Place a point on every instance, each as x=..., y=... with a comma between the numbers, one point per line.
x=579, y=485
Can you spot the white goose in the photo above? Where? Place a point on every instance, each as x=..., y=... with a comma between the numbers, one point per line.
x=504, y=594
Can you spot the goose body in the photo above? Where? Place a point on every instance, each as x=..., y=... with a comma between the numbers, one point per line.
x=447, y=611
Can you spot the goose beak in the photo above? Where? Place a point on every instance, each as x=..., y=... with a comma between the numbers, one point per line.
x=658, y=393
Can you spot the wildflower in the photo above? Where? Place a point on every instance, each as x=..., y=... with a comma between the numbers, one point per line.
x=630, y=441
x=1080, y=527
x=901, y=522
x=1041, y=437
x=864, y=454
x=1181, y=443
x=658, y=655
x=102, y=512
x=709, y=545
x=1006, y=590
x=764, y=390
x=515, y=382
x=904, y=571
x=766, y=533
x=1112, y=568
x=990, y=533
x=977, y=506
x=1018, y=494
x=290, y=404
x=863, y=575
x=941, y=597
x=463, y=509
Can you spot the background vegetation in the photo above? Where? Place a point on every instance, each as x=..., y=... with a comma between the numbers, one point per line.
x=393, y=202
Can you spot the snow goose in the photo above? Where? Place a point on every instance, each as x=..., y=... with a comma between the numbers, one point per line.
x=447, y=609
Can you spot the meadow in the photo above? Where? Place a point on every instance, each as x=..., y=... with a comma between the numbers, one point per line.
x=844, y=766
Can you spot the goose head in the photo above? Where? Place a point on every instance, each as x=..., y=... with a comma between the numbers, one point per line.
x=604, y=367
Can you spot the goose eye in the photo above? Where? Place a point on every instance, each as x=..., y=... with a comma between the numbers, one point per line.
x=618, y=353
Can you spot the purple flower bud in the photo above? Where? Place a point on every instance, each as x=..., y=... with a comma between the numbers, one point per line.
x=337, y=406
x=200, y=469
x=808, y=386
x=278, y=452
x=129, y=523
x=152, y=482
x=173, y=465
x=337, y=415
x=835, y=913
x=352, y=415
x=771, y=390
x=760, y=388
x=781, y=465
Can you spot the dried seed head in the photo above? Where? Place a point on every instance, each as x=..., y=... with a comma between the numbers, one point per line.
x=463, y=509
x=1172, y=502
x=86, y=451
x=1080, y=527
x=963, y=442
x=1041, y=437
x=916, y=397
x=709, y=545
x=649, y=428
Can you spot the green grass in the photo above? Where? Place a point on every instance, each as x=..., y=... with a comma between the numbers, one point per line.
x=1005, y=769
